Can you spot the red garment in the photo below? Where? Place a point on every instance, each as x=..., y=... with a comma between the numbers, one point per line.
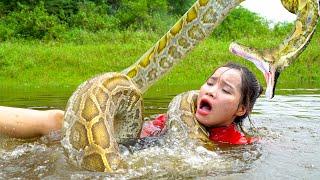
x=228, y=134
x=155, y=127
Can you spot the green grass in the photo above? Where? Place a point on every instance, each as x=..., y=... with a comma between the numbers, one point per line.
x=67, y=64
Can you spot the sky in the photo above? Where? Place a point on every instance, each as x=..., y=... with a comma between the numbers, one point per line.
x=272, y=10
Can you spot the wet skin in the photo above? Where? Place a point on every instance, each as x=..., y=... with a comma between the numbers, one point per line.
x=218, y=103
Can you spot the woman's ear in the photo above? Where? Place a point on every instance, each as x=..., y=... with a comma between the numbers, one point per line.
x=241, y=110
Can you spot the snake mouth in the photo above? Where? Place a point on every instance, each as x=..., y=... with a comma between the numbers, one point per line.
x=270, y=72
x=271, y=78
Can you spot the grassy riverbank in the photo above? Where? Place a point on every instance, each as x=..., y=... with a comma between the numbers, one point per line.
x=60, y=44
x=28, y=64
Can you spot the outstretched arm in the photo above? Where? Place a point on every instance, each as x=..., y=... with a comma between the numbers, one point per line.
x=28, y=123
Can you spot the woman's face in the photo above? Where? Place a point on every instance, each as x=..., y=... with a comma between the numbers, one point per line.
x=218, y=101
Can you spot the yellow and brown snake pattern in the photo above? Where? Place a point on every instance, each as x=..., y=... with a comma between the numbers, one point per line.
x=273, y=61
x=108, y=109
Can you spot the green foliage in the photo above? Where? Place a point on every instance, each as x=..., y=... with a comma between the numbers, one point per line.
x=53, y=19
x=141, y=14
x=93, y=18
x=8, y=6
x=114, y=5
x=76, y=32
x=62, y=9
x=56, y=19
x=30, y=23
x=241, y=23
x=179, y=7
x=157, y=7
x=65, y=64
x=132, y=12
x=160, y=20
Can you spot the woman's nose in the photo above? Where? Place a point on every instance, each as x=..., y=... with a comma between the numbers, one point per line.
x=212, y=91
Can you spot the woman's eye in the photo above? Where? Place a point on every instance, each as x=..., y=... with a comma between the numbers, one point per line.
x=209, y=83
x=226, y=91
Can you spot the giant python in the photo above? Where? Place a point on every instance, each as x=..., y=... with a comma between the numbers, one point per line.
x=108, y=109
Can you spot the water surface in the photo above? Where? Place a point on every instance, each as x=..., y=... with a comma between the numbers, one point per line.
x=289, y=126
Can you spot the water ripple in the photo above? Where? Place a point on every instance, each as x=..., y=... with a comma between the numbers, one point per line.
x=289, y=127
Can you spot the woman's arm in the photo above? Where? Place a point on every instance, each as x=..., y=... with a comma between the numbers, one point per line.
x=27, y=123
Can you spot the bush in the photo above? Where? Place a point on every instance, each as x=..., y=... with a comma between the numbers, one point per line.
x=93, y=18
x=29, y=23
x=241, y=23
x=132, y=12
x=62, y=9
x=179, y=7
x=282, y=29
x=143, y=14
x=56, y=19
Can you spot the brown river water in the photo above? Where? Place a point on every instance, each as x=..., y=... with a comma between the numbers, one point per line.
x=289, y=127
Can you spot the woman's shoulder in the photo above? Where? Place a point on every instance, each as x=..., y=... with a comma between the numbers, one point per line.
x=231, y=135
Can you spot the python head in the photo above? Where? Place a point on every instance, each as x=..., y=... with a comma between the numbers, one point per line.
x=273, y=61
x=264, y=61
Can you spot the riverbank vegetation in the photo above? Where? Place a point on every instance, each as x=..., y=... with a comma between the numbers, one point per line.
x=62, y=43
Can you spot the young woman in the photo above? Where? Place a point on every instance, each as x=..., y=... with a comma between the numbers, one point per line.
x=224, y=101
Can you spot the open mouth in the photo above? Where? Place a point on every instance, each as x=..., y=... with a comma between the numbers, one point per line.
x=204, y=107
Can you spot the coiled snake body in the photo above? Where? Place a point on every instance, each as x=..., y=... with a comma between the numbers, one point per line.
x=108, y=109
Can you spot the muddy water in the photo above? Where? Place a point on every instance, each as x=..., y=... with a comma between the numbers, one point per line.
x=289, y=126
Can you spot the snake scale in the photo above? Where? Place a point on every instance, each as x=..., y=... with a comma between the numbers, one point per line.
x=273, y=61
x=108, y=109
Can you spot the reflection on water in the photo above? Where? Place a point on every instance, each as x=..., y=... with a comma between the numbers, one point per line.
x=289, y=125
x=35, y=98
